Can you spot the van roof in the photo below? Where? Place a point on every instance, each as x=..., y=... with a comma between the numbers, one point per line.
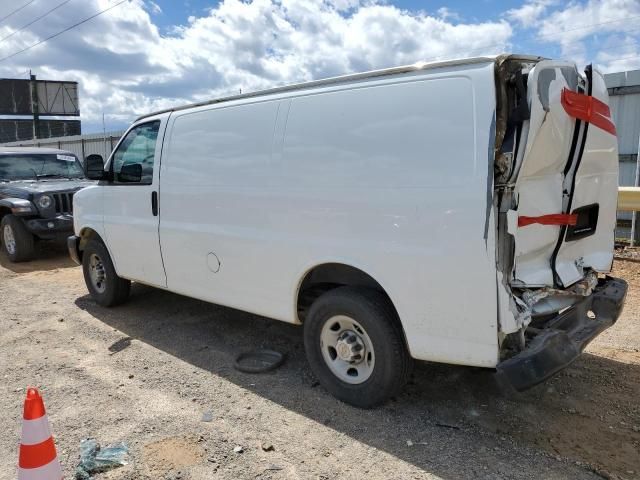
x=351, y=77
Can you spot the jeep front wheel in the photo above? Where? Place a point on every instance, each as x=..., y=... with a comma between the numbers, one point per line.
x=104, y=285
x=17, y=242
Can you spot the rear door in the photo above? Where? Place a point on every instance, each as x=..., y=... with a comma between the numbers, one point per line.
x=594, y=192
x=565, y=179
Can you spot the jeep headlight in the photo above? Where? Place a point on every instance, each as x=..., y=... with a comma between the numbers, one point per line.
x=45, y=201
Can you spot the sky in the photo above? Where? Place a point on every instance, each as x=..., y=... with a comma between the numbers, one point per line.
x=145, y=55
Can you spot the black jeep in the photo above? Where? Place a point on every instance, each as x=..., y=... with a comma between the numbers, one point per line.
x=36, y=197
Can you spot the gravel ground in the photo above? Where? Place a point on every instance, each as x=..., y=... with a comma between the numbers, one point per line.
x=146, y=372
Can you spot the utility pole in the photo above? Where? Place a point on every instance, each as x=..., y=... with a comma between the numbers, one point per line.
x=104, y=133
x=35, y=106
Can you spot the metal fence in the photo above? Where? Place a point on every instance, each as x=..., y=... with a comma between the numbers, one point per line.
x=626, y=178
x=81, y=145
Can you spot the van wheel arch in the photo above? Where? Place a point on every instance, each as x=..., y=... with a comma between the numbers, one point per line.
x=325, y=277
x=86, y=235
x=4, y=211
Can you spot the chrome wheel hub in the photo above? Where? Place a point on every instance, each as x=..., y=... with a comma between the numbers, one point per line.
x=9, y=239
x=97, y=273
x=347, y=349
x=350, y=347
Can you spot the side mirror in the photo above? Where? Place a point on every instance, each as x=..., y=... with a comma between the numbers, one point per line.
x=94, y=167
x=130, y=173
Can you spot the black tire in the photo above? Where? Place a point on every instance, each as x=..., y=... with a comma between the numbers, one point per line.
x=112, y=290
x=24, y=241
x=373, y=311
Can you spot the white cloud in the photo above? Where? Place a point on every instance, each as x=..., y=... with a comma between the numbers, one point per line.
x=446, y=13
x=154, y=7
x=604, y=31
x=530, y=13
x=580, y=20
x=125, y=66
x=619, y=54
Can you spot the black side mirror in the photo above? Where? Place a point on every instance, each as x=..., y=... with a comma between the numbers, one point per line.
x=94, y=167
x=130, y=173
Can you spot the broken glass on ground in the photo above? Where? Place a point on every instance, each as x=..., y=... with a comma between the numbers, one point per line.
x=95, y=459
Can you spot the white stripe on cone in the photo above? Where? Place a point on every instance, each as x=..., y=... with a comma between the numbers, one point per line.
x=35, y=431
x=50, y=471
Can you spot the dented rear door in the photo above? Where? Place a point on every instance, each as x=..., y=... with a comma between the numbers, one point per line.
x=566, y=179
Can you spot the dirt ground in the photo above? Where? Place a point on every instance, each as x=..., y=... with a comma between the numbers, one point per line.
x=146, y=372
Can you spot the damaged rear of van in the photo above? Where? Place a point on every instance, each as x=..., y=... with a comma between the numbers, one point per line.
x=555, y=195
x=460, y=212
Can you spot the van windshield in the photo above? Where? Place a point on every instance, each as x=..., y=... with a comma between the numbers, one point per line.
x=15, y=166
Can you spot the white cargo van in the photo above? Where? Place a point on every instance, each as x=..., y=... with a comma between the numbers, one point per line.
x=459, y=212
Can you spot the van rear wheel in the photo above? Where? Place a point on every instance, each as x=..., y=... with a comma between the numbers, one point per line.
x=355, y=346
x=104, y=285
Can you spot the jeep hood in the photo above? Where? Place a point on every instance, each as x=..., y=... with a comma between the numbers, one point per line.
x=45, y=185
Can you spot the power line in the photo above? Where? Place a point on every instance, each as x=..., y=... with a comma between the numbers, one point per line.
x=553, y=34
x=63, y=31
x=34, y=21
x=623, y=58
x=483, y=48
x=16, y=11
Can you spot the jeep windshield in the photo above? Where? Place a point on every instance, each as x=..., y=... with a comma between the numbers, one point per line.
x=16, y=166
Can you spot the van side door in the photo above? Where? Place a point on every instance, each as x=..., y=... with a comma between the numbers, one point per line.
x=131, y=204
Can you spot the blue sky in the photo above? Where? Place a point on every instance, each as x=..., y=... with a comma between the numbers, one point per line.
x=145, y=55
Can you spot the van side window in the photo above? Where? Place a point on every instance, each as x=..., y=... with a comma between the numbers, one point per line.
x=138, y=148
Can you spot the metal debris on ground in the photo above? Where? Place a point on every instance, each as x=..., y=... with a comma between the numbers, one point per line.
x=274, y=467
x=446, y=425
x=207, y=417
x=95, y=459
x=259, y=361
x=119, y=345
x=623, y=252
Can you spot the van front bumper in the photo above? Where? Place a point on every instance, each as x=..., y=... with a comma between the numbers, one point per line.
x=73, y=245
x=564, y=337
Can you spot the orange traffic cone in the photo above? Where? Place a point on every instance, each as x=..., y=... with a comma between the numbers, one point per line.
x=38, y=459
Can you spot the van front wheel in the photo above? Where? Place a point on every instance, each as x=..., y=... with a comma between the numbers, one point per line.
x=104, y=285
x=355, y=346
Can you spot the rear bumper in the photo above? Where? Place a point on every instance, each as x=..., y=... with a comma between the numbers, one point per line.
x=565, y=337
x=73, y=244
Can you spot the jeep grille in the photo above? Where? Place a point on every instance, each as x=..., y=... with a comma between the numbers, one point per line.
x=64, y=202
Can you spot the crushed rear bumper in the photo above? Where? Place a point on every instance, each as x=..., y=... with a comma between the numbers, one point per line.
x=564, y=337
